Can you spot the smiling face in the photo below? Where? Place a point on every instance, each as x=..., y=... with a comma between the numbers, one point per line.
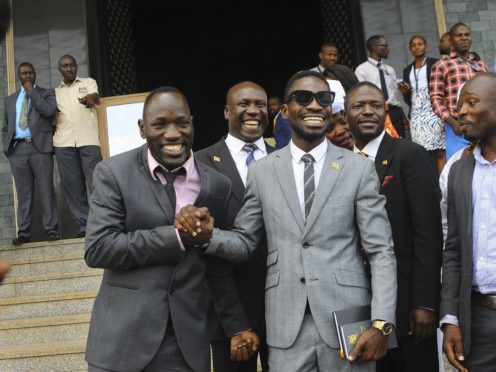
x=246, y=111
x=167, y=126
x=340, y=133
x=366, y=113
x=310, y=123
x=477, y=108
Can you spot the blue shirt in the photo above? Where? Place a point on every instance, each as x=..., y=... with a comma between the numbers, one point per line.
x=20, y=133
x=484, y=224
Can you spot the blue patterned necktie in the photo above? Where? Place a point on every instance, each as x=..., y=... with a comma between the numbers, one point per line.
x=249, y=148
x=308, y=182
x=383, y=82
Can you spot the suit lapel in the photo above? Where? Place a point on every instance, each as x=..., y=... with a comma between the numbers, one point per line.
x=283, y=169
x=333, y=165
x=157, y=187
x=205, y=183
x=223, y=162
x=468, y=175
x=384, y=157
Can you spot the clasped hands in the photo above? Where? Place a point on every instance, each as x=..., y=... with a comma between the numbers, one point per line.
x=195, y=225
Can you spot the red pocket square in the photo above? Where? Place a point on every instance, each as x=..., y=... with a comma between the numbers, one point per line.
x=387, y=179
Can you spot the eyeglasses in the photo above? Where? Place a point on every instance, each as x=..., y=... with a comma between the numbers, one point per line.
x=305, y=97
x=382, y=45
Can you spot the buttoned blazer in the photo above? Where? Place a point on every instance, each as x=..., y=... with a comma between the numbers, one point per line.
x=42, y=109
x=409, y=183
x=147, y=277
x=456, y=288
x=321, y=260
x=249, y=275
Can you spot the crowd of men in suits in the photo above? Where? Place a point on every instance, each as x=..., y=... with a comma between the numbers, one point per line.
x=249, y=250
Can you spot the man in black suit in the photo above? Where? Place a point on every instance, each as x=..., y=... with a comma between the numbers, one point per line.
x=27, y=142
x=151, y=311
x=409, y=182
x=247, y=116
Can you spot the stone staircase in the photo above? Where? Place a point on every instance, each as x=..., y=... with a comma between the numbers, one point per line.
x=45, y=306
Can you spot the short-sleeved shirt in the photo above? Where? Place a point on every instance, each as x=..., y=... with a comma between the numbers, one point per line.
x=76, y=125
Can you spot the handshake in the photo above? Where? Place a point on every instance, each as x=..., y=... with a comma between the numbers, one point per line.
x=195, y=225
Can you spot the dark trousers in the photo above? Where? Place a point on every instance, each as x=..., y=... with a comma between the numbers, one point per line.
x=169, y=357
x=410, y=357
x=482, y=356
x=76, y=165
x=29, y=168
x=397, y=118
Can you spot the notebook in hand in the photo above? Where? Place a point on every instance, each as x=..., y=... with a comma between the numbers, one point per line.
x=350, y=324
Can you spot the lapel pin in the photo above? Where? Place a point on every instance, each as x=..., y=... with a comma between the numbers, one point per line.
x=216, y=158
x=384, y=162
x=334, y=165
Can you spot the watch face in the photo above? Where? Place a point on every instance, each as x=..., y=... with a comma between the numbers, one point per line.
x=387, y=328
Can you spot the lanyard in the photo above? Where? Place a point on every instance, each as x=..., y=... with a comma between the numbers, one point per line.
x=417, y=76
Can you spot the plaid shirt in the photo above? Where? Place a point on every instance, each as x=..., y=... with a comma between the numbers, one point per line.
x=447, y=76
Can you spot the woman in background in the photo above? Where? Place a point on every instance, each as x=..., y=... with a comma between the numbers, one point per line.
x=425, y=127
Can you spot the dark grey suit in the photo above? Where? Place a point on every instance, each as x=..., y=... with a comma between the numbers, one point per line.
x=147, y=279
x=456, y=290
x=32, y=162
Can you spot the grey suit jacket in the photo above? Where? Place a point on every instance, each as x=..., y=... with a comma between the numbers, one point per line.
x=321, y=260
x=42, y=109
x=147, y=277
x=456, y=289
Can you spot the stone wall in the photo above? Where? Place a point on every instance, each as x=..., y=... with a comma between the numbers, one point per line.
x=480, y=16
x=7, y=225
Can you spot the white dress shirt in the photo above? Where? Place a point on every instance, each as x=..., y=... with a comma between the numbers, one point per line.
x=371, y=147
x=368, y=71
x=235, y=146
x=319, y=154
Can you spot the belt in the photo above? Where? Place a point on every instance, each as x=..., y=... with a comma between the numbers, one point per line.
x=24, y=140
x=485, y=300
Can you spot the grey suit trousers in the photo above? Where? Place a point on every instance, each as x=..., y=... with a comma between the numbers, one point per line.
x=310, y=353
x=482, y=356
x=168, y=358
x=31, y=167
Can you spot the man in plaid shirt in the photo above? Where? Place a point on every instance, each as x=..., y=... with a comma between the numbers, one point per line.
x=447, y=76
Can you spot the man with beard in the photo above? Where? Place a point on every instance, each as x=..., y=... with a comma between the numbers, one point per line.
x=409, y=182
x=246, y=113
x=318, y=204
x=447, y=76
x=468, y=300
x=151, y=310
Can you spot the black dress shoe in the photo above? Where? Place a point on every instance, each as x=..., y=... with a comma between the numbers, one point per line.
x=52, y=237
x=20, y=240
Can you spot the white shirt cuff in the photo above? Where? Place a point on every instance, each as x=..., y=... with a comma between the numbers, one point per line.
x=448, y=319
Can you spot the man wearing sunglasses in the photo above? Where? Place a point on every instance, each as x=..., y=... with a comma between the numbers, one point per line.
x=317, y=204
x=375, y=70
x=409, y=182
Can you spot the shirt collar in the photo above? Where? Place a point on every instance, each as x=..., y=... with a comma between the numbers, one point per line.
x=479, y=158
x=454, y=54
x=374, y=62
x=236, y=145
x=372, y=146
x=188, y=165
x=318, y=152
x=62, y=84
x=24, y=90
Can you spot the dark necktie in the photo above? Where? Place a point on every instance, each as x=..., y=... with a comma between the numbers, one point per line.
x=249, y=148
x=170, y=177
x=383, y=82
x=308, y=182
x=23, y=117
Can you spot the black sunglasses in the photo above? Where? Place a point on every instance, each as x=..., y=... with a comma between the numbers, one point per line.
x=305, y=97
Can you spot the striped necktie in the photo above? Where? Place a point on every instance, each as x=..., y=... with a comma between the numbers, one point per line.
x=308, y=182
x=250, y=148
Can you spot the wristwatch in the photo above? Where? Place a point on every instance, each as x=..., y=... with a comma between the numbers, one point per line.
x=385, y=327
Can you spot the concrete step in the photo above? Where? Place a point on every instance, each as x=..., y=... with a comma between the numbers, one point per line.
x=41, y=250
x=44, y=330
x=46, y=284
x=49, y=265
x=48, y=305
x=49, y=357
